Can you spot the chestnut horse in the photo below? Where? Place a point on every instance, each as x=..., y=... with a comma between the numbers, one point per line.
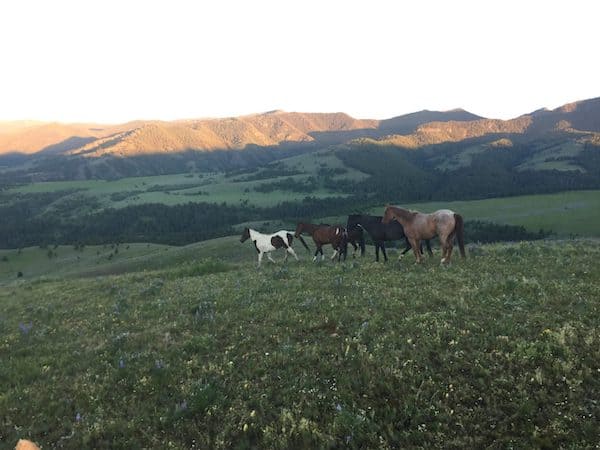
x=325, y=234
x=444, y=223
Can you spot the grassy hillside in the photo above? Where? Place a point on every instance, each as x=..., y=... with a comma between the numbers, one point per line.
x=95, y=260
x=231, y=188
x=499, y=350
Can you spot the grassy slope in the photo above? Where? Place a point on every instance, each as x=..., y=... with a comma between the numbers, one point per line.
x=500, y=350
x=92, y=260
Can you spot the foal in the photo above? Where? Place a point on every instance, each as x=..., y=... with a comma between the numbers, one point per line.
x=266, y=243
x=444, y=223
x=325, y=234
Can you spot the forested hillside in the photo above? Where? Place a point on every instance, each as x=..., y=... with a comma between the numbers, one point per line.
x=309, y=167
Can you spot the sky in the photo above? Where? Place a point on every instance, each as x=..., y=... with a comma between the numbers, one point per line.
x=110, y=61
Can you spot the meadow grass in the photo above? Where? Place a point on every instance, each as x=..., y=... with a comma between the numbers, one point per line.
x=93, y=260
x=500, y=350
x=565, y=213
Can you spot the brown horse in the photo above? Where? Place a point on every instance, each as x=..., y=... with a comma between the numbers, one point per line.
x=325, y=234
x=444, y=223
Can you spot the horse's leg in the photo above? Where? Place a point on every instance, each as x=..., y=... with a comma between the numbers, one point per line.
x=355, y=247
x=414, y=243
x=450, y=246
x=316, y=252
x=383, y=251
x=271, y=258
x=444, y=243
x=376, y=251
x=406, y=248
x=291, y=251
x=335, y=253
x=260, y=257
x=427, y=243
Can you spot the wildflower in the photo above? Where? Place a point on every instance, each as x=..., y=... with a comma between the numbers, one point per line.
x=25, y=328
x=181, y=406
x=158, y=364
x=121, y=363
x=78, y=417
x=338, y=407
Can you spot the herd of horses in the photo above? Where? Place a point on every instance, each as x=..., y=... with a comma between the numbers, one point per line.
x=396, y=224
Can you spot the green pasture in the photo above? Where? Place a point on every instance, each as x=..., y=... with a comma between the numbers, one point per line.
x=94, y=260
x=546, y=159
x=501, y=350
x=198, y=187
x=565, y=213
x=67, y=260
x=310, y=163
x=462, y=159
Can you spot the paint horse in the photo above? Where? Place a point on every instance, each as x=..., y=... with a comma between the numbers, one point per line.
x=381, y=232
x=325, y=234
x=417, y=226
x=267, y=243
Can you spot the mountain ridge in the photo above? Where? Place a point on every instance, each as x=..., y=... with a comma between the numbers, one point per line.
x=277, y=127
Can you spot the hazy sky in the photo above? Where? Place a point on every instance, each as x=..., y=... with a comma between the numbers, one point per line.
x=114, y=61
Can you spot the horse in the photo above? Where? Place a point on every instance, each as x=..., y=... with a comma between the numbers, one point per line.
x=325, y=234
x=381, y=232
x=444, y=223
x=266, y=243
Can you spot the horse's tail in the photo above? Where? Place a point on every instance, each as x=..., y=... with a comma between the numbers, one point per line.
x=303, y=242
x=459, y=229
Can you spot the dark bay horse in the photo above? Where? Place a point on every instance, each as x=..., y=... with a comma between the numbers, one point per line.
x=356, y=238
x=417, y=226
x=325, y=234
x=381, y=232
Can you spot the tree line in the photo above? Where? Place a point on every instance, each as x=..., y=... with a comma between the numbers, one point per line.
x=191, y=222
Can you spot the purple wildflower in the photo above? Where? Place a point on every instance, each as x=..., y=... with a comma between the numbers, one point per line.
x=25, y=328
x=121, y=363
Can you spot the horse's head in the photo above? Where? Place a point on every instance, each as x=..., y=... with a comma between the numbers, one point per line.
x=388, y=215
x=245, y=235
x=299, y=229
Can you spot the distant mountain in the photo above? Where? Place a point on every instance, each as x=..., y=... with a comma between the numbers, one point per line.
x=409, y=123
x=152, y=137
x=31, y=149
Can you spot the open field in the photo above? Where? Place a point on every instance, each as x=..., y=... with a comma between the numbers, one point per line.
x=93, y=260
x=499, y=350
x=202, y=187
x=565, y=213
